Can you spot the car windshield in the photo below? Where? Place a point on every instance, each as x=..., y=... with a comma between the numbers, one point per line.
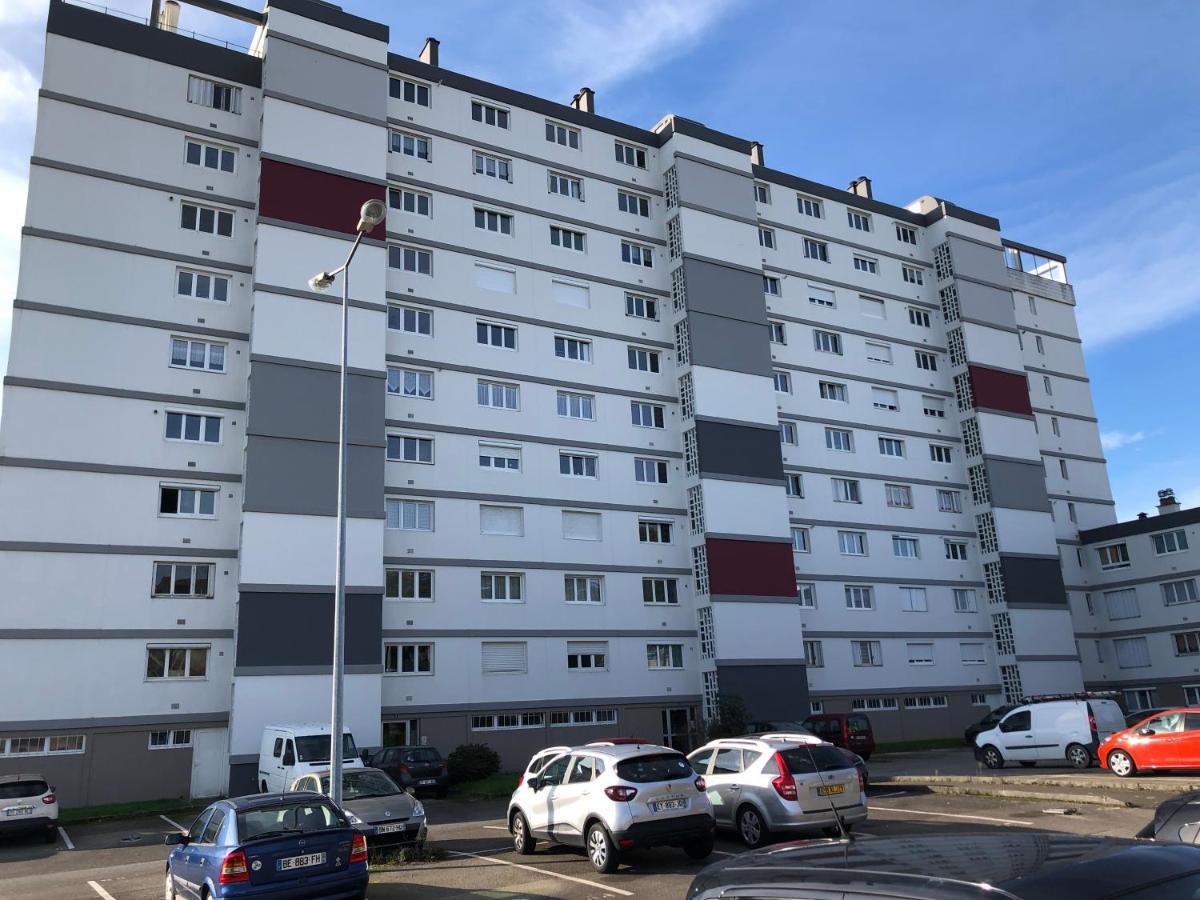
x=360, y=784
x=822, y=759
x=422, y=755
x=656, y=767
x=315, y=748
x=287, y=818
x=824, y=726
x=14, y=790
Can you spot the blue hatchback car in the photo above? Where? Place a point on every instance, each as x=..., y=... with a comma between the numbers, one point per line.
x=277, y=846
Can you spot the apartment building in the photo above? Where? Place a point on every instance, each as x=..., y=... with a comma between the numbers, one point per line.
x=637, y=424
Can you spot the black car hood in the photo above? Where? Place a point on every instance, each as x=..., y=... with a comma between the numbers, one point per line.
x=392, y=808
x=1166, y=811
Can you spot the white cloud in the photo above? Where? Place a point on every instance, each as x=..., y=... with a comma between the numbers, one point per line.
x=1114, y=440
x=20, y=12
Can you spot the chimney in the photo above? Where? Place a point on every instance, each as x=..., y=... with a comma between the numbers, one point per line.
x=585, y=100
x=1167, y=502
x=1142, y=516
x=756, y=154
x=429, y=53
x=861, y=186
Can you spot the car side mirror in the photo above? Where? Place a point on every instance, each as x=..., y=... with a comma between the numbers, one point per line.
x=535, y=784
x=1146, y=732
x=176, y=837
x=289, y=759
x=1189, y=833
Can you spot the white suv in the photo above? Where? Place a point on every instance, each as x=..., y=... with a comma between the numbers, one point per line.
x=612, y=798
x=28, y=803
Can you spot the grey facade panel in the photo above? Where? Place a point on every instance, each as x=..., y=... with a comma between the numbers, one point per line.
x=1016, y=485
x=981, y=303
x=301, y=402
x=770, y=692
x=325, y=78
x=729, y=344
x=296, y=629
x=716, y=189
x=1031, y=581
x=739, y=450
x=973, y=260
x=285, y=475
x=724, y=291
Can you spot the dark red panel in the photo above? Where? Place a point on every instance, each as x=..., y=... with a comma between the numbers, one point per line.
x=760, y=568
x=1005, y=391
x=320, y=199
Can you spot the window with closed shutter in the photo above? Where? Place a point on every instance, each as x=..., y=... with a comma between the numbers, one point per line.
x=501, y=520
x=505, y=657
x=581, y=526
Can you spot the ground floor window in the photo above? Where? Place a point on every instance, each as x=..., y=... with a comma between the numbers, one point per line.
x=1191, y=694
x=404, y=733
x=1141, y=698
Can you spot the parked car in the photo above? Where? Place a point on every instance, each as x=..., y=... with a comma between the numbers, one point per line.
x=1169, y=740
x=28, y=804
x=376, y=806
x=851, y=731
x=1141, y=715
x=1016, y=865
x=419, y=768
x=769, y=783
x=540, y=760
x=269, y=845
x=987, y=723
x=1050, y=731
x=779, y=725
x=1176, y=820
x=611, y=799
x=289, y=751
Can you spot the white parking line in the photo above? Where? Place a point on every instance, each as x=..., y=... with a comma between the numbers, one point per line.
x=174, y=824
x=922, y=812
x=504, y=862
x=880, y=796
x=66, y=840
x=101, y=891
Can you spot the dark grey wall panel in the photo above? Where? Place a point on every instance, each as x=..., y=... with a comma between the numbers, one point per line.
x=325, y=78
x=770, y=692
x=282, y=629
x=300, y=402
x=974, y=260
x=284, y=475
x=1035, y=580
x=1016, y=485
x=729, y=344
x=986, y=304
x=716, y=189
x=726, y=449
x=724, y=291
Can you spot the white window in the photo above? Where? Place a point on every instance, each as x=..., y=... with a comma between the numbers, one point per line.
x=794, y=483
x=647, y=415
x=43, y=746
x=827, y=342
x=651, y=531
x=1187, y=643
x=885, y=398
x=171, y=739
x=766, y=238
x=833, y=390
x=201, y=285
x=212, y=94
x=412, y=145
x=1047, y=386
x=409, y=91
x=630, y=155
x=488, y=114
x=913, y=599
x=762, y=193
x=410, y=383
x=508, y=720
x=497, y=394
x=783, y=382
x=576, y=349
x=502, y=520
x=1169, y=542
x=800, y=540
x=1191, y=695
x=635, y=204
x=643, y=360
x=918, y=317
x=866, y=264
x=190, y=502
x=1140, y=698
x=1114, y=556
x=417, y=203
x=1062, y=469
x=934, y=407
x=182, y=579
x=565, y=185
x=176, y=662
x=408, y=515
x=489, y=165
x=408, y=584
x=583, y=589
x=505, y=457
x=1122, y=604
x=587, y=655
x=1054, y=426
x=411, y=259
x=577, y=465
x=906, y=547
x=650, y=471
x=408, y=659
x=872, y=308
x=818, y=250
x=920, y=653
x=787, y=433
x=852, y=543
x=492, y=335
x=949, y=501
x=409, y=448
x=490, y=220
x=496, y=278
x=206, y=219
x=576, y=406
x=410, y=320
x=1040, y=344
x=912, y=275
x=839, y=439
x=869, y=704
x=637, y=254
x=860, y=597
x=905, y=234
x=926, y=701
x=822, y=297
x=660, y=591
x=926, y=361
x=581, y=526
x=809, y=206
x=193, y=428
x=664, y=656
x=639, y=307
x=891, y=447
x=880, y=353
x=956, y=550
x=898, y=496
x=209, y=156
x=565, y=135
x=858, y=221
x=964, y=600
x=1176, y=592
x=502, y=587
x=771, y=285
x=866, y=653
x=846, y=490
x=566, y=238
x=941, y=453
x=806, y=594
x=1132, y=653
x=776, y=332
x=814, y=656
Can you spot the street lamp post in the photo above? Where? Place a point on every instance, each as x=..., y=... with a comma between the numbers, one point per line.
x=372, y=214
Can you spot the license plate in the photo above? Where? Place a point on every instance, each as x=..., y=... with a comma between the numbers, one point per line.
x=829, y=790
x=300, y=862
x=668, y=805
x=427, y=781
x=389, y=829
x=19, y=811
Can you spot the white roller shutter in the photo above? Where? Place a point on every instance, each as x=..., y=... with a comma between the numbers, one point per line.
x=491, y=278
x=508, y=520
x=505, y=657
x=581, y=526
x=571, y=294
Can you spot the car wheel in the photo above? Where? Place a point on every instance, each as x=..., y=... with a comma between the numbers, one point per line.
x=523, y=841
x=1028, y=763
x=601, y=851
x=992, y=758
x=1079, y=756
x=751, y=828
x=1121, y=764
x=699, y=848
x=169, y=894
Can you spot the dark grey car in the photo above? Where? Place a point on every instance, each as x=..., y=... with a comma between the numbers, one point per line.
x=419, y=768
x=378, y=807
x=1176, y=820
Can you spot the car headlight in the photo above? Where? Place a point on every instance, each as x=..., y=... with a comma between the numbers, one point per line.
x=354, y=820
x=418, y=809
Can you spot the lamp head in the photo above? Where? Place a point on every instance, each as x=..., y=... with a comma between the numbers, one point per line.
x=321, y=281
x=372, y=213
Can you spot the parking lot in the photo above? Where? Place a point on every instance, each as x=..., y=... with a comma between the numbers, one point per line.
x=123, y=860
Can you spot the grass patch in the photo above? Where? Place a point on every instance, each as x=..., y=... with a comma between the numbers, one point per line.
x=494, y=787
x=74, y=816
x=407, y=856
x=928, y=744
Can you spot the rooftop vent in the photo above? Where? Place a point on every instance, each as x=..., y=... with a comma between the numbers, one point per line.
x=861, y=186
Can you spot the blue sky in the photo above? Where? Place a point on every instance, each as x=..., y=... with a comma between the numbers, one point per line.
x=1075, y=123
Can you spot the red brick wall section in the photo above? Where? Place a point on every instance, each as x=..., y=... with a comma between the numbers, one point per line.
x=1004, y=391
x=758, y=568
x=319, y=199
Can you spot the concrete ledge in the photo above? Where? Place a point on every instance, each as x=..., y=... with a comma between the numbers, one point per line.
x=1063, y=782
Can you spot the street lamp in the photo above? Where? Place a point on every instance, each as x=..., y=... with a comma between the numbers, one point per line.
x=372, y=214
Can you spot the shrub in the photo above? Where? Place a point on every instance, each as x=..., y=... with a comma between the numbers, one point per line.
x=470, y=762
x=731, y=718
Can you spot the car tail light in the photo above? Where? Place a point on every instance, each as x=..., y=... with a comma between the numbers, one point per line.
x=784, y=783
x=862, y=780
x=48, y=799
x=405, y=769
x=358, y=848
x=234, y=869
x=620, y=792
x=520, y=779
x=700, y=785
x=1091, y=721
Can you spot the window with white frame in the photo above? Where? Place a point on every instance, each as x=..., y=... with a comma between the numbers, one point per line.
x=899, y=496
x=634, y=204
x=566, y=238
x=629, y=155
x=941, y=453
x=1177, y=592
x=206, y=155
x=880, y=353
x=583, y=717
x=1132, y=653
x=409, y=91
x=964, y=600
x=504, y=457
x=801, y=541
x=576, y=349
x=771, y=286
x=660, y=591
x=651, y=531
x=496, y=394
x=913, y=599
x=581, y=526
x=408, y=659
x=500, y=279
x=505, y=657
x=787, y=433
x=833, y=390
x=762, y=193
x=859, y=597
x=491, y=334
x=637, y=254
x=783, y=382
x=912, y=275
x=766, y=238
x=565, y=185
x=840, y=439
x=214, y=95
x=173, y=663
x=893, y=447
x=1047, y=386
x=776, y=332
x=906, y=547
x=906, y=234
x=488, y=114
x=182, y=580
x=196, y=428
x=827, y=341
x=806, y=594
x=409, y=448
x=1187, y=643
x=639, y=307
x=410, y=320
x=866, y=653
x=501, y=520
x=873, y=704
x=488, y=165
x=918, y=317
x=1039, y=344
x=972, y=653
x=643, y=360
x=170, y=739
x=885, y=398
x=956, y=550
x=491, y=220
x=410, y=383
x=408, y=515
x=565, y=135
x=417, y=203
x=926, y=701
x=186, y=501
x=1169, y=542
x=587, y=656
x=649, y=471
x=926, y=361
x=201, y=285
x=414, y=585
x=1114, y=556
x=206, y=219
x=819, y=296
x=920, y=653
x=857, y=220
x=809, y=206
x=502, y=587
x=187, y=353
x=794, y=483
x=411, y=259
x=1191, y=695
x=1122, y=604
x=664, y=656
x=577, y=465
x=571, y=405
x=867, y=264
x=934, y=407
x=647, y=415
x=509, y=720
x=872, y=308
x=814, y=655
x=852, y=543
x=949, y=501
x=1137, y=699
x=418, y=147
x=846, y=490
x=818, y=250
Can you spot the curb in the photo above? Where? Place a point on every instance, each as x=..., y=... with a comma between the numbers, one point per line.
x=1039, y=796
x=1113, y=784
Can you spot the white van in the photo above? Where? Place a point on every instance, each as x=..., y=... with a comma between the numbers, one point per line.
x=289, y=751
x=1051, y=730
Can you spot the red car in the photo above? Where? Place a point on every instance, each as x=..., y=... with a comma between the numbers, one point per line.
x=850, y=731
x=1170, y=739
